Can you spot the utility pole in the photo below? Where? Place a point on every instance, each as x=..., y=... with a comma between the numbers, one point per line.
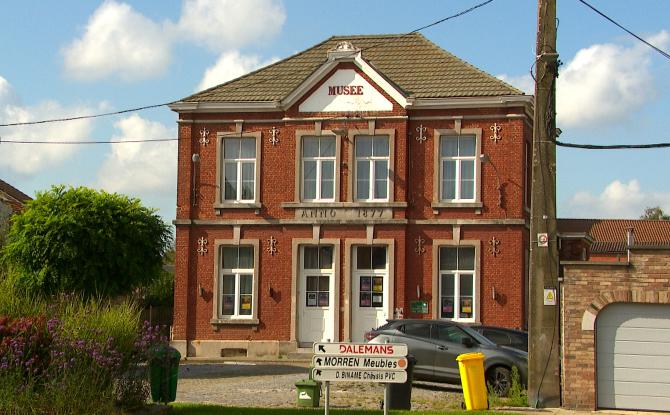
x=543, y=360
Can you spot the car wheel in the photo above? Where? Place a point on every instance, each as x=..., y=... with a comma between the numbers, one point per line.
x=499, y=379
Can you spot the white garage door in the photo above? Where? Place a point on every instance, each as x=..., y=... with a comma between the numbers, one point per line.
x=633, y=356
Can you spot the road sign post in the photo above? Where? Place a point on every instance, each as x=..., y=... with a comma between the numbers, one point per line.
x=360, y=362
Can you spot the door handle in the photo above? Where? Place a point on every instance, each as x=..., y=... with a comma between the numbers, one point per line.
x=442, y=348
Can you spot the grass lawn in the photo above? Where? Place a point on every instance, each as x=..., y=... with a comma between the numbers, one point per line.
x=200, y=409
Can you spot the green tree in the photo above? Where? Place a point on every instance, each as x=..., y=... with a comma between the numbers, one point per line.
x=654, y=212
x=85, y=241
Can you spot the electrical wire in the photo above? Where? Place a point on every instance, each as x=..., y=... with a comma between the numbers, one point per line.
x=612, y=146
x=260, y=81
x=82, y=117
x=662, y=52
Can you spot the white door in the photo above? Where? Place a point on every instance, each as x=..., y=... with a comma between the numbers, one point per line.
x=316, y=318
x=369, y=302
x=633, y=356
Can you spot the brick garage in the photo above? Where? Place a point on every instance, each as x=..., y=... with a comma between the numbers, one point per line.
x=591, y=286
x=376, y=222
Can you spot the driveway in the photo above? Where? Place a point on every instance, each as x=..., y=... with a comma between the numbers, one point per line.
x=272, y=384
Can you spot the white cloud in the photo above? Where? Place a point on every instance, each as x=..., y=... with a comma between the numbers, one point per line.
x=617, y=201
x=29, y=159
x=7, y=94
x=230, y=24
x=146, y=167
x=231, y=65
x=605, y=83
x=523, y=82
x=118, y=41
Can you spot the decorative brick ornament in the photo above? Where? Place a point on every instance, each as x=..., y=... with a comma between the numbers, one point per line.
x=202, y=246
x=496, y=132
x=419, y=245
x=274, y=140
x=494, y=242
x=204, y=136
x=422, y=134
x=272, y=245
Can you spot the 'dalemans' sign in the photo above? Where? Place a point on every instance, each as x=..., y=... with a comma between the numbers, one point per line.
x=361, y=349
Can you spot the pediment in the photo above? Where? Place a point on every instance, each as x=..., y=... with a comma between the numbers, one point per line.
x=346, y=90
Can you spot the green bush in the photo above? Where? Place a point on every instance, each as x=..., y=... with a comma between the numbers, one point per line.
x=85, y=241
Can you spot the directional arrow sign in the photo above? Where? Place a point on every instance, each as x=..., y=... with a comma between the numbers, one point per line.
x=361, y=349
x=359, y=375
x=359, y=362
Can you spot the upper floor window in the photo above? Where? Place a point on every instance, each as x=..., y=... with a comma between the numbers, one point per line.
x=458, y=168
x=372, y=168
x=457, y=279
x=239, y=169
x=237, y=282
x=318, y=168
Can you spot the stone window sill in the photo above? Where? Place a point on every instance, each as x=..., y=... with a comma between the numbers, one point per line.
x=235, y=321
x=237, y=206
x=448, y=205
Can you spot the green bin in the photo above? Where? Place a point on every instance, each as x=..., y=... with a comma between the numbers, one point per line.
x=309, y=392
x=163, y=374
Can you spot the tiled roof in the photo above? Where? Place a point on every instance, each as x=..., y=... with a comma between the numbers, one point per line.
x=416, y=66
x=13, y=196
x=609, y=235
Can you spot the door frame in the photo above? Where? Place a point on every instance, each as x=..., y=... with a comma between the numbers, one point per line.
x=349, y=274
x=295, y=274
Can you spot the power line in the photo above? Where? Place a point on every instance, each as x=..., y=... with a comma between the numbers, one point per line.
x=613, y=146
x=14, y=124
x=662, y=52
x=82, y=117
x=76, y=142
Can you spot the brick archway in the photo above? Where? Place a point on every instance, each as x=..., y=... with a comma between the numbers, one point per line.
x=620, y=296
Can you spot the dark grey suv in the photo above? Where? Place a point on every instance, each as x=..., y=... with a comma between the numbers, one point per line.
x=436, y=343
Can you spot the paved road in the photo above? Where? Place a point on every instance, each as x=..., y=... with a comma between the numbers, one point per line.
x=273, y=385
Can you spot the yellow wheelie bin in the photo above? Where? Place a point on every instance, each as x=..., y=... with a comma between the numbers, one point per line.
x=471, y=368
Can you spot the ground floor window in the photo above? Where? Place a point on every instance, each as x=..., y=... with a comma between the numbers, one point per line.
x=457, y=281
x=237, y=281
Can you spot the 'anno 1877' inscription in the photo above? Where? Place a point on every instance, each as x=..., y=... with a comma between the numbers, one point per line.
x=343, y=213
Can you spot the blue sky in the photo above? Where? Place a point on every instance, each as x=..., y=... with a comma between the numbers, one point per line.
x=73, y=58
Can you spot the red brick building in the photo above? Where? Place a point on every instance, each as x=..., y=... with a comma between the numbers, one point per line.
x=615, y=313
x=365, y=178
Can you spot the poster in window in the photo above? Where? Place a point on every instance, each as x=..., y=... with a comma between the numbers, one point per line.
x=378, y=284
x=365, y=283
x=366, y=300
x=466, y=307
x=311, y=299
x=245, y=303
x=447, y=307
x=228, y=305
x=323, y=299
x=377, y=300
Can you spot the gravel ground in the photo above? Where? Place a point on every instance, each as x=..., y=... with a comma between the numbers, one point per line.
x=273, y=385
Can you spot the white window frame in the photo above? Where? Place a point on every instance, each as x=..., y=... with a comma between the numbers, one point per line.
x=219, y=271
x=372, y=171
x=221, y=161
x=476, y=282
x=457, y=180
x=438, y=174
x=319, y=162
